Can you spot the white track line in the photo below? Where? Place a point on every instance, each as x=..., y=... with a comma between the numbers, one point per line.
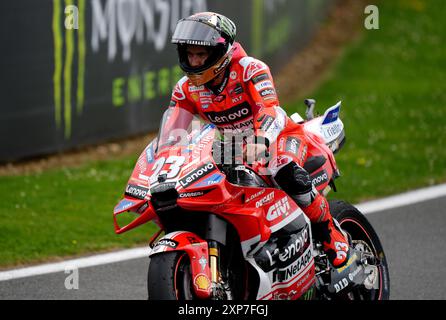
x=403, y=199
x=69, y=265
x=400, y=200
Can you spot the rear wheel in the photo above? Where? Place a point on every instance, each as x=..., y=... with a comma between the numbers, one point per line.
x=364, y=238
x=169, y=277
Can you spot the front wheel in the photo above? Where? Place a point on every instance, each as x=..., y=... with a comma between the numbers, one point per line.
x=364, y=238
x=169, y=277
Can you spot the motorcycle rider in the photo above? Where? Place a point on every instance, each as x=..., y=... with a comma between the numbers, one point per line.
x=236, y=92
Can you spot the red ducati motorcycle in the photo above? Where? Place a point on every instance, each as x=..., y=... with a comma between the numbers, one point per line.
x=228, y=233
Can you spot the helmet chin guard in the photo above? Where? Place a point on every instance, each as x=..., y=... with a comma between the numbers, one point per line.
x=211, y=72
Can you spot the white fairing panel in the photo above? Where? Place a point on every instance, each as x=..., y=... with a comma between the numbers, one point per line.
x=329, y=126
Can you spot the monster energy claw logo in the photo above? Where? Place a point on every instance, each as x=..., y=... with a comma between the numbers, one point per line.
x=64, y=38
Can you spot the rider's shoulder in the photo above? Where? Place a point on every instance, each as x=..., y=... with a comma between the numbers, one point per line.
x=182, y=81
x=251, y=66
x=180, y=91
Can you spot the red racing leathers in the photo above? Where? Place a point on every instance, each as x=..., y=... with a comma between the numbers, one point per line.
x=247, y=101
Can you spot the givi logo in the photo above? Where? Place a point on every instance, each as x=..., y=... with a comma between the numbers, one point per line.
x=281, y=207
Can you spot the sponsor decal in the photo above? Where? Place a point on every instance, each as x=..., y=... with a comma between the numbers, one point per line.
x=304, y=154
x=222, y=66
x=193, y=194
x=236, y=99
x=202, y=282
x=283, y=256
x=278, y=162
x=221, y=88
x=204, y=131
x=332, y=115
x=195, y=97
x=220, y=98
x=136, y=191
x=214, y=179
x=233, y=75
x=196, y=174
x=123, y=205
x=281, y=147
x=285, y=295
x=234, y=114
x=261, y=118
x=267, y=93
x=205, y=94
x=280, y=208
x=332, y=130
x=260, y=77
x=353, y=274
x=203, y=262
x=167, y=242
x=198, y=146
x=265, y=199
x=195, y=89
x=319, y=178
x=292, y=145
x=193, y=241
x=342, y=284
x=162, y=187
x=235, y=90
x=142, y=163
x=267, y=122
x=285, y=274
x=277, y=126
x=265, y=84
x=237, y=127
x=255, y=195
x=206, y=101
x=254, y=67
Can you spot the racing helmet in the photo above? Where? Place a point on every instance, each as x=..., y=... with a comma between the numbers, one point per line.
x=207, y=29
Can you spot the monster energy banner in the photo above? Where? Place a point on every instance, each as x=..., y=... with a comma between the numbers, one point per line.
x=79, y=72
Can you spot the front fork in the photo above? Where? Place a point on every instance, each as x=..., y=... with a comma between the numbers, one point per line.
x=220, y=287
x=214, y=264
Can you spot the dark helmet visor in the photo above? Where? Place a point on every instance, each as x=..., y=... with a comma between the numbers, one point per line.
x=195, y=33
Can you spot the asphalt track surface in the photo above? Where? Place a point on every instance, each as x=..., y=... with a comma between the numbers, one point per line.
x=414, y=240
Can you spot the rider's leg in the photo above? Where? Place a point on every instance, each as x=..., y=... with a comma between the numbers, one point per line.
x=296, y=182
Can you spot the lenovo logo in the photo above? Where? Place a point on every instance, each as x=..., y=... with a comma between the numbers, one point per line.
x=136, y=191
x=233, y=114
x=197, y=174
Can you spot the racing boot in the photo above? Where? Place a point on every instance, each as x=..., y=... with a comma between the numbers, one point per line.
x=334, y=241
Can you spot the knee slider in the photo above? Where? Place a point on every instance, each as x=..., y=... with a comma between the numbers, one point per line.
x=294, y=179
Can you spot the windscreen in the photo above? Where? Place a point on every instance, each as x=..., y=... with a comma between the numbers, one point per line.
x=178, y=128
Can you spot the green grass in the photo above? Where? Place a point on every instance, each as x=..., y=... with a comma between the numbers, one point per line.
x=64, y=212
x=392, y=85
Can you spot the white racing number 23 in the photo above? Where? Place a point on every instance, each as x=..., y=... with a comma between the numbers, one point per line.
x=174, y=166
